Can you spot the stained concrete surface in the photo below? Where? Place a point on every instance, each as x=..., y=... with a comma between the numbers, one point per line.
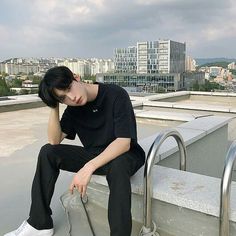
x=22, y=133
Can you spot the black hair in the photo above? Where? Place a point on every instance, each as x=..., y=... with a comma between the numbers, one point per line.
x=59, y=77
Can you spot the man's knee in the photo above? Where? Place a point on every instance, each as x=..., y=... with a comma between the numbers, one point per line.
x=48, y=152
x=119, y=167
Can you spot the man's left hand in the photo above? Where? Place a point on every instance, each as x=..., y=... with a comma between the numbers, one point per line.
x=82, y=178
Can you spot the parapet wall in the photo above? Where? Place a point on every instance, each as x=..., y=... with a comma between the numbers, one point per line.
x=184, y=203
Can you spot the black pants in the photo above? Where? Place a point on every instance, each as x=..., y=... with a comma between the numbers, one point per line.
x=52, y=158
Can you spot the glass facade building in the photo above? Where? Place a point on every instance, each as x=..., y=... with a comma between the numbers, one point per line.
x=162, y=56
x=125, y=60
x=144, y=82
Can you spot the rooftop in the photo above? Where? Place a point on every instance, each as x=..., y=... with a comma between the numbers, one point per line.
x=23, y=132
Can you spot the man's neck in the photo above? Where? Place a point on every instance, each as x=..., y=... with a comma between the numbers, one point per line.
x=92, y=90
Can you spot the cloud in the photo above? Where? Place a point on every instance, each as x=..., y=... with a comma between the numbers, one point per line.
x=87, y=28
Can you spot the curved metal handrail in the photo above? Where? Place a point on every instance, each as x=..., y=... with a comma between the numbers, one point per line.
x=226, y=189
x=148, y=191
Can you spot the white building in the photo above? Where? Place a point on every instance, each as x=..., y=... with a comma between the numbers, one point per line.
x=215, y=70
x=77, y=66
x=232, y=66
x=14, y=69
x=125, y=59
x=147, y=57
x=190, y=64
x=162, y=56
x=101, y=66
x=171, y=56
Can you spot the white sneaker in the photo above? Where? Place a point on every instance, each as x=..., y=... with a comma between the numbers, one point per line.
x=27, y=230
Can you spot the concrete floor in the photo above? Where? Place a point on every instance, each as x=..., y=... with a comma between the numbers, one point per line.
x=22, y=133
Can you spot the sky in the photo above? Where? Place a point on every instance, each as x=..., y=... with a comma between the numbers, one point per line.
x=93, y=28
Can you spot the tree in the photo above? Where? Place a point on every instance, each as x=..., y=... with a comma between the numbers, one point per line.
x=4, y=74
x=212, y=86
x=233, y=71
x=16, y=83
x=195, y=86
x=223, y=64
x=4, y=90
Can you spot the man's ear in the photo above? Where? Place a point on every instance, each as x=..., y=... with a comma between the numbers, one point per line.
x=77, y=77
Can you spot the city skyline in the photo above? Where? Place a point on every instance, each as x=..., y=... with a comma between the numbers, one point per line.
x=94, y=28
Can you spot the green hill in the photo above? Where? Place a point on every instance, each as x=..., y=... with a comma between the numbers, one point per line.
x=223, y=64
x=202, y=61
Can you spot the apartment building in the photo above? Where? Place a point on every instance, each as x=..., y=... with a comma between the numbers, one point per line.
x=190, y=64
x=171, y=56
x=101, y=65
x=77, y=66
x=162, y=56
x=232, y=66
x=14, y=69
x=125, y=59
x=147, y=57
x=215, y=70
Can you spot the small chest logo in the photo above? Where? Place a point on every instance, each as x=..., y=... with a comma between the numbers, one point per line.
x=95, y=110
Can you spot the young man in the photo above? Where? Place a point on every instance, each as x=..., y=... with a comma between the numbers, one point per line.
x=103, y=118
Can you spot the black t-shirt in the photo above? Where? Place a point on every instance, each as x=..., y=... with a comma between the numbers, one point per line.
x=101, y=121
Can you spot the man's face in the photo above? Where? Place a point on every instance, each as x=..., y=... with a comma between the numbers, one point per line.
x=75, y=95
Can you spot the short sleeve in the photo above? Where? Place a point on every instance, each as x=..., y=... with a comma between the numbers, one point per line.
x=124, y=119
x=67, y=125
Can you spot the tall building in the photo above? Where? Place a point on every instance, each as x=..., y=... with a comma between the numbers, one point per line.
x=190, y=64
x=171, y=56
x=125, y=59
x=77, y=66
x=147, y=57
x=101, y=65
x=14, y=66
x=14, y=69
x=89, y=67
x=162, y=56
x=232, y=66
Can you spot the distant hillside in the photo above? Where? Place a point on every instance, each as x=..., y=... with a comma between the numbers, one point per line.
x=223, y=64
x=202, y=61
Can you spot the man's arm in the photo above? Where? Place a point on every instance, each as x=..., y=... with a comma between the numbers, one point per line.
x=113, y=150
x=55, y=135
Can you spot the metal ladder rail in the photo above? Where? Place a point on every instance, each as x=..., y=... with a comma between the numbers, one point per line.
x=148, y=190
x=226, y=189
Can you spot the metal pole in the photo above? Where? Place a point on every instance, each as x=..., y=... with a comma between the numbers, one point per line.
x=148, y=190
x=225, y=190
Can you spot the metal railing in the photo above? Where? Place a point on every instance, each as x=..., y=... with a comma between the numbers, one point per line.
x=148, y=190
x=226, y=189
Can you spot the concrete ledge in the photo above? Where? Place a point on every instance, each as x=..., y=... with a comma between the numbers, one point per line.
x=220, y=94
x=167, y=95
x=158, y=104
x=184, y=189
x=200, y=107
x=177, y=116
x=14, y=100
x=189, y=190
x=137, y=103
x=20, y=102
x=193, y=191
x=190, y=131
